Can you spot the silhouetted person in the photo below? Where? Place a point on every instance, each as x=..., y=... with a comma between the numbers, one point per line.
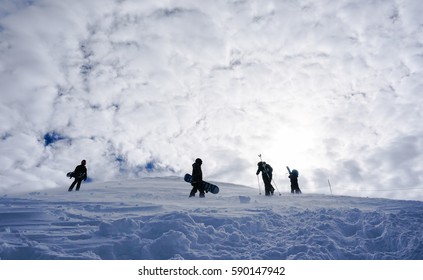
x=293, y=177
x=197, y=179
x=79, y=174
x=266, y=173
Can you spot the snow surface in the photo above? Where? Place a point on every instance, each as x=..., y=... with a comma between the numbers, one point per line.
x=153, y=218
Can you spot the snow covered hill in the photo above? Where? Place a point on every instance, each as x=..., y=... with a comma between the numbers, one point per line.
x=153, y=218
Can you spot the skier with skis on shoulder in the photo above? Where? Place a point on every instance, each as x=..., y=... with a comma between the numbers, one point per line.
x=266, y=173
x=293, y=177
x=197, y=179
x=79, y=174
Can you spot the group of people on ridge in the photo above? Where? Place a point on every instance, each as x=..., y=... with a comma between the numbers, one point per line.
x=266, y=170
x=267, y=173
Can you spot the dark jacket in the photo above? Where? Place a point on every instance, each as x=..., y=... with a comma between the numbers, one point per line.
x=197, y=174
x=294, y=179
x=80, y=172
x=266, y=171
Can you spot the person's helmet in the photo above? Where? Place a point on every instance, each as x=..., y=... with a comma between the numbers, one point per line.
x=199, y=161
x=83, y=162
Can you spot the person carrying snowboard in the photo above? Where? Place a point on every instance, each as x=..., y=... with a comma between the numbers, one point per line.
x=79, y=174
x=266, y=173
x=293, y=177
x=197, y=179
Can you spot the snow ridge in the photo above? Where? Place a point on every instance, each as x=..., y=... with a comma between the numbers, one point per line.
x=153, y=218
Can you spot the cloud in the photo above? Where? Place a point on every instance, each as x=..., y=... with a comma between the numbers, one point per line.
x=141, y=89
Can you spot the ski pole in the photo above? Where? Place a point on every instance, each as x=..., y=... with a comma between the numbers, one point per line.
x=258, y=182
x=273, y=180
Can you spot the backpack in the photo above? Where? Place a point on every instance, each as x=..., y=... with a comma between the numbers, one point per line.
x=267, y=168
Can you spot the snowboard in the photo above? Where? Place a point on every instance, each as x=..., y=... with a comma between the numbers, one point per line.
x=207, y=186
x=71, y=175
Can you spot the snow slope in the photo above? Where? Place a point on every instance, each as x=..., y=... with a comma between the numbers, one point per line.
x=153, y=218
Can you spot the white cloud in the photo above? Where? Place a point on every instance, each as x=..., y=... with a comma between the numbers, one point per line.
x=332, y=89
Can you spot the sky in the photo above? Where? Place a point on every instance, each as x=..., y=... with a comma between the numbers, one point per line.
x=143, y=88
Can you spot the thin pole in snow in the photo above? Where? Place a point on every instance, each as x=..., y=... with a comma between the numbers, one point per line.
x=258, y=182
x=330, y=187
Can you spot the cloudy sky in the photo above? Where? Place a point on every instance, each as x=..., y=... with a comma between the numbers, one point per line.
x=142, y=88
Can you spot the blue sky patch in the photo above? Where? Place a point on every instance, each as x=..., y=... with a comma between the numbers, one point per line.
x=52, y=137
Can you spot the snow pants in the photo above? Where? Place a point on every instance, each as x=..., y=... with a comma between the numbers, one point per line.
x=76, y=182
x=197, y=186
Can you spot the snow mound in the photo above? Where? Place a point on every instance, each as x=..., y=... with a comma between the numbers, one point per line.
x=153, y=218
